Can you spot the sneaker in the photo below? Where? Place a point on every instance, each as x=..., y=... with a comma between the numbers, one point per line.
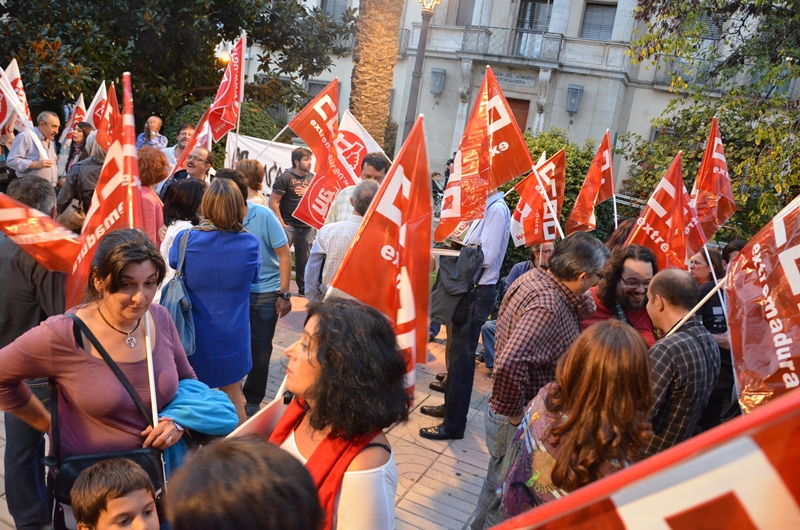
x=251, y=409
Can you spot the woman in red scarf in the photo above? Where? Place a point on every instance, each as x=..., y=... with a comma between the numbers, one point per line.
x=347, y=376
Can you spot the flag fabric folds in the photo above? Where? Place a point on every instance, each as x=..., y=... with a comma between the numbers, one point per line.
x=77, y=115
x=598, y=186
x=712, y=195
x=763, y=288
x=393, y=243
x=110, y=121
x=532, y=221
x=224, y=113
x=97, y=107
x=354, y=142
x=14, y=78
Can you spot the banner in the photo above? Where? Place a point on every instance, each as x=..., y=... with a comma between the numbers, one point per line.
x=224, y=113
x=12, y=72
x=354, y=142
x=393, y=243
x=77, y=115
x=712, y=195
x=492, y=152
x=110, y=121
x=668, y=224
x=97, y=108
x=744, y=474
x=532, y=221
x=597, y=187
x=8, y=117
x=763, y=289
x=10, y=98
x=117, y=199
x=275, y=156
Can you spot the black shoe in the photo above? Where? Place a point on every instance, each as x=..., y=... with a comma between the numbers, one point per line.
x=440, y=376
x=437, y=411
x=437, y=386
x=480, y=358
x=439, y=432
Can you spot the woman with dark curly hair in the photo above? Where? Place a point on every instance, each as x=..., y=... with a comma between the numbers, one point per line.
x=591, y=422
x=347, y=376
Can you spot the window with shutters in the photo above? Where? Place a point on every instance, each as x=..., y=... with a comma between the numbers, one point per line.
x=465, y=9
x=534, y=15
x=598, y=21
x=334, y=8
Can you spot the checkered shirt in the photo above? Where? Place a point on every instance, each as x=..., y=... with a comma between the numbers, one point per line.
x=331, y=245
x=685, y=368
x=341, y=208
x=538, y=322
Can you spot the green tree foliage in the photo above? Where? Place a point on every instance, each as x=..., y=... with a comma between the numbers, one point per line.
x=64, y=48
x=740, y=61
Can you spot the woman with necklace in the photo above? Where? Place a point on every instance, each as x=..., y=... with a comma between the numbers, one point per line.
x=96, y=414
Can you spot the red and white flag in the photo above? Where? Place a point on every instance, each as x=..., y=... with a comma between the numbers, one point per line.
x=224, y=113
x=393, y=243
x=97, y=108
x=668, y=224
x=598, y=186
x=11, y=100
x=77, y=115
x=111, y=120
x=532, y=221
x=744, y=474
x=354, y=142
x=8, y=115
x=492, y=152
x=117, y=201
x=763, y=289
x=712, y=195
x=201, y=138
x=12, y=72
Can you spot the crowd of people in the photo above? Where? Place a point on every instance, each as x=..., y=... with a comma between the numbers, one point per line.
x=596, y=363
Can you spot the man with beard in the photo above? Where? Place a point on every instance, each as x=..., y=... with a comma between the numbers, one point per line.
x=622, y=294
x=174, y=153
x=198, y=165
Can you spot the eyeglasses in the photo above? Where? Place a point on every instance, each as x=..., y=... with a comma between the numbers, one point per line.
x=196, y=159
x=635, y=285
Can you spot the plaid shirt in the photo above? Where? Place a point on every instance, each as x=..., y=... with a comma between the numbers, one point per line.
x=341, y=208
x=685, y=368
x=329, y=248
x=538, y=322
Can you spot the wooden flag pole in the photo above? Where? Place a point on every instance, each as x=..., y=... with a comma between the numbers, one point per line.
x=696, y=308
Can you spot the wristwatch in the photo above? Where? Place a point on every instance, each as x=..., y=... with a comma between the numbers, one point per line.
x=286, y=296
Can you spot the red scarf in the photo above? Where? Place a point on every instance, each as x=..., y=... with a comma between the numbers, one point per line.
x=330, y=460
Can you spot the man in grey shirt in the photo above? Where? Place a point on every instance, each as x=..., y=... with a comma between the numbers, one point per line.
x=25, y=157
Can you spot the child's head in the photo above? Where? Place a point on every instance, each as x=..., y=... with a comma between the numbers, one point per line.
x=113, y=494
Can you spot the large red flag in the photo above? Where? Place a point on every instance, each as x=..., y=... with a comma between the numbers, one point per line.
x=224, y=113
x=393, y=243
x=744, y=474
x=492, y=152
x=712, y=195
x=117, y=199
x=597, y=187
x=77, y=115
x=763, y=290
x=532, y=221
x=111, y=120
x=97, y=108
x=668, y=224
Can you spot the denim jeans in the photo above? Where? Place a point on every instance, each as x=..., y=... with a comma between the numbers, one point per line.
x=488, y=332
x=26, y=491
x=462, y=335
x=263, y=319
x=499, y=433
x=301, y=237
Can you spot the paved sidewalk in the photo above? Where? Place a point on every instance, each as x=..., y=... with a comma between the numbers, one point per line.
x=439, y=482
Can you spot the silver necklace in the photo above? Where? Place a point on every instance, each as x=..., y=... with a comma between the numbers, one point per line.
x=130, y=341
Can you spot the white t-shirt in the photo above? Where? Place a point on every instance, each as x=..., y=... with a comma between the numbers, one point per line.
x=166, y=244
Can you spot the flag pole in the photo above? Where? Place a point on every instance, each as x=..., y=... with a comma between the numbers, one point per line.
x=241, y=98
x=714, y=275
x=696, y=308
x=271, y=141
x=547, y=201
x=614, y=200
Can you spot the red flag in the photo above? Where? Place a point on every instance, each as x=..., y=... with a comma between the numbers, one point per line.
x=77, y=115
x=201, y=137
x=316, y=201
x=111, y=120
x=97, y=108
x=744, y=474
x=532, y=221
x=117, y=199
x=224, y=113
x=492, y=152
x=354, y=142
x=668, y=224
x=597, y=187
x=712, y=195
x=12, y=72
x=393, y=243
x=763, y=290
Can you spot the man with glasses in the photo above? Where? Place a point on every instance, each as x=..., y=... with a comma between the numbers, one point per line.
x=198, y=166
x=623, y=292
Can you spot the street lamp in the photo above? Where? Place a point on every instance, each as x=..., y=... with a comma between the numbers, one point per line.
x=416, y=76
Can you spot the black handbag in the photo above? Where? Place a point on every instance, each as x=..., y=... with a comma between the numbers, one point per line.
x=65, y=471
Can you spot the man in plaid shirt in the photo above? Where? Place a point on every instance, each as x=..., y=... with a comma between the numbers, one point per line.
x=538, y=322
x=685, y=365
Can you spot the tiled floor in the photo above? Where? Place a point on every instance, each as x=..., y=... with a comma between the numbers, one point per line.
x=439, y=482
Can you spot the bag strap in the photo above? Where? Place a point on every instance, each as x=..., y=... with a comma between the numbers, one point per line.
x=54, y=421
x=114, y=368
x=182, y=253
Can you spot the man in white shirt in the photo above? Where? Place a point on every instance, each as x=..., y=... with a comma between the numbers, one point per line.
x=25, y=157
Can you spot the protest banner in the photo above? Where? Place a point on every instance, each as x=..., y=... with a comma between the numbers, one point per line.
x=276, y=157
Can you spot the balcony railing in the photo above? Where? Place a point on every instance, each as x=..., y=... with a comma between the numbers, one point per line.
x=512, y=42
x=697, y=73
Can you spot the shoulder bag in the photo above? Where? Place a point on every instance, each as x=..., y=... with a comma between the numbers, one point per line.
x=74, y=215
x=175, y=298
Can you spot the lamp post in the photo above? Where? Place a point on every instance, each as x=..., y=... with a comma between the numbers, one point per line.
x=416, y=76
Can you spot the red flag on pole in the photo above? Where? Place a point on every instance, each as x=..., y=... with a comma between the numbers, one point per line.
x=763, y=288
x=97, y=108
x=77, y=115
x=668, y=224
x=712, y=195
x=354, y=142
x=201, y=138
x=117, y=199
x=393, y=243
x=532, y=221
x=111, y=120
x=597, y=187
x=12, y=72
x=492, y=152
x=224, y=111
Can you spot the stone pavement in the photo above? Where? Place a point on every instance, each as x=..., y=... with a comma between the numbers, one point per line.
x=439, y=482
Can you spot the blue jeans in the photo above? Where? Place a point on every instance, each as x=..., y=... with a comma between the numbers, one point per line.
x=26, y=491
x=499, y=433
x=462, y=335
x=488, y=332
x=301, y=237
x=263, y=319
